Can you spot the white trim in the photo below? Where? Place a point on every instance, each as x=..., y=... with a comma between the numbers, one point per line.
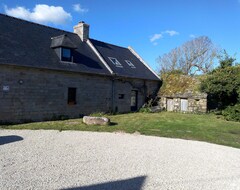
x=117, y=64
x=99, y=56
x=130, y=64
x=138, y=56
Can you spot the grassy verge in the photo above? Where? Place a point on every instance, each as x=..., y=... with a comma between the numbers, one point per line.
x=207, y=128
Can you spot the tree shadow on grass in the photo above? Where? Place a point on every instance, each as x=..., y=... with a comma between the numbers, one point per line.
x=9, y=139
x=126, y=184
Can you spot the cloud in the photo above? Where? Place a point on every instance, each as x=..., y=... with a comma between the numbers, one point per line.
x=171, y=32
x=155, y=37
x=193, y=36
x=41, y=13
x=78, y=8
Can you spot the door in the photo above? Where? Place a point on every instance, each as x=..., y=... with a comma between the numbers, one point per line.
x=184, y=105
x=134, y=100
x=169, y=104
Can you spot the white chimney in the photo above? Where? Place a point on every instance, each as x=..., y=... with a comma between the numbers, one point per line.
x=82, y=30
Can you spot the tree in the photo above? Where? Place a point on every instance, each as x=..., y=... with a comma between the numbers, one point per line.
x=223, y=84
x=195, y=56
x=226, y=60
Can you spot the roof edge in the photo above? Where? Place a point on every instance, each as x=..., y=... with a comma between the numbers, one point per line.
x=141, y=59
x=55, y=69
x=99, y=56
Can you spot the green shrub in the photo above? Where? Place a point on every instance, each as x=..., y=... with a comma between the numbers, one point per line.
x=97, y=114
x=145, y=110
x=232, y=113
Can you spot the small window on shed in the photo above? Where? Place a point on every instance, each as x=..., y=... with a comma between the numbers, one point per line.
x=115, y=62
x=66, y=54
x=72, y=96
x=130, y=64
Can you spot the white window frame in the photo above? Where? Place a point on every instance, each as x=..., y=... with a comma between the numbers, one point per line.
x=130, y=64
x=116, y=62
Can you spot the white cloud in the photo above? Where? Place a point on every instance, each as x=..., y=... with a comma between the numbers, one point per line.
x=41, y=13
x=171, y=32
x=192, y=36
x=155, y=37
x=78, y=8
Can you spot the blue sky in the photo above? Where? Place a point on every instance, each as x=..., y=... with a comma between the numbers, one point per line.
x=152, y=27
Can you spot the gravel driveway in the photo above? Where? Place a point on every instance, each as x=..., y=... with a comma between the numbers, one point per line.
x=89, y=161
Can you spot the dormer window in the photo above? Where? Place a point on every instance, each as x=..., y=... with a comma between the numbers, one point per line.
x=130, y=64
x=115, y=62
x=66, y=54
x=63, y=47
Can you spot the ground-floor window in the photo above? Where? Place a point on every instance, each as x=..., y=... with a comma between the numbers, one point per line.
x=72, y=96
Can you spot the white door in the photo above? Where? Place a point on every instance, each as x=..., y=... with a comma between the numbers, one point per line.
x=169, y=104
x=184, y=105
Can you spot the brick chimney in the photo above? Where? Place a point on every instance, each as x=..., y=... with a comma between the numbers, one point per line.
x=82, y=30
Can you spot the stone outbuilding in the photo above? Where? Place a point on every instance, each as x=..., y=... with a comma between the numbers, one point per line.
x=180, y=93
x=188, y=102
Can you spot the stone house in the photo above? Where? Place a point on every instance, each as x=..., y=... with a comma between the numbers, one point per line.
x=181, y=94
x=46, y=72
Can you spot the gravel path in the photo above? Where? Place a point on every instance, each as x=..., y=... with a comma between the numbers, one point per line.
x=91, y=161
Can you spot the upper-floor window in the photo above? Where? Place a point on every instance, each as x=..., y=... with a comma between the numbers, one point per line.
x=115, y=62
x=66, y=54
x=130, y=64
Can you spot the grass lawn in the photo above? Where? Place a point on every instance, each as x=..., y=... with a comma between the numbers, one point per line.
x=209, y=128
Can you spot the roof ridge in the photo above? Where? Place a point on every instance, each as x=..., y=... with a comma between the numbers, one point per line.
x=31, y=22
x=109, y=43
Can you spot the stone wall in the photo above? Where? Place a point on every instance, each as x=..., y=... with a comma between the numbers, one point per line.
x=28, y=94
x=195, y=104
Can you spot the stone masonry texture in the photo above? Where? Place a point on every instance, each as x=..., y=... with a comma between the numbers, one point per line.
x=39, y=94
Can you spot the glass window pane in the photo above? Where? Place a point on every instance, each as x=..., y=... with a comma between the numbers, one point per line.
x=66, y=53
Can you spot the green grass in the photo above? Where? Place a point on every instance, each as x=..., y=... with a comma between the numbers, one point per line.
x=209, y=128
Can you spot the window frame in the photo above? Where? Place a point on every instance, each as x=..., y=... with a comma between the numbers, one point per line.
x=67, y=59
x=130, y=64
x=72, y=96
x=117, y=64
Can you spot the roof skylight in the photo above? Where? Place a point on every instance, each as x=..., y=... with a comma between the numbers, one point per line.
x=115, y=62
x=130, y=64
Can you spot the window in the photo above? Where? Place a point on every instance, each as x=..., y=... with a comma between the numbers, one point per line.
x=66, y=54
x=72, y=96
x=130, y=64
x=120, y=96
x=115, y=62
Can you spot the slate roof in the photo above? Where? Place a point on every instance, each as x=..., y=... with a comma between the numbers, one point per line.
x=122, y=54
x=62, y=41
x=29, y=44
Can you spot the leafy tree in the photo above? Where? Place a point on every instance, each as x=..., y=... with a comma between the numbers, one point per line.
x=223, y=84
x=192, y=57
x=226, y=60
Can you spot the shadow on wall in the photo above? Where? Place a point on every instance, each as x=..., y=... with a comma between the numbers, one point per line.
x=126, y=184
x=9, y=139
